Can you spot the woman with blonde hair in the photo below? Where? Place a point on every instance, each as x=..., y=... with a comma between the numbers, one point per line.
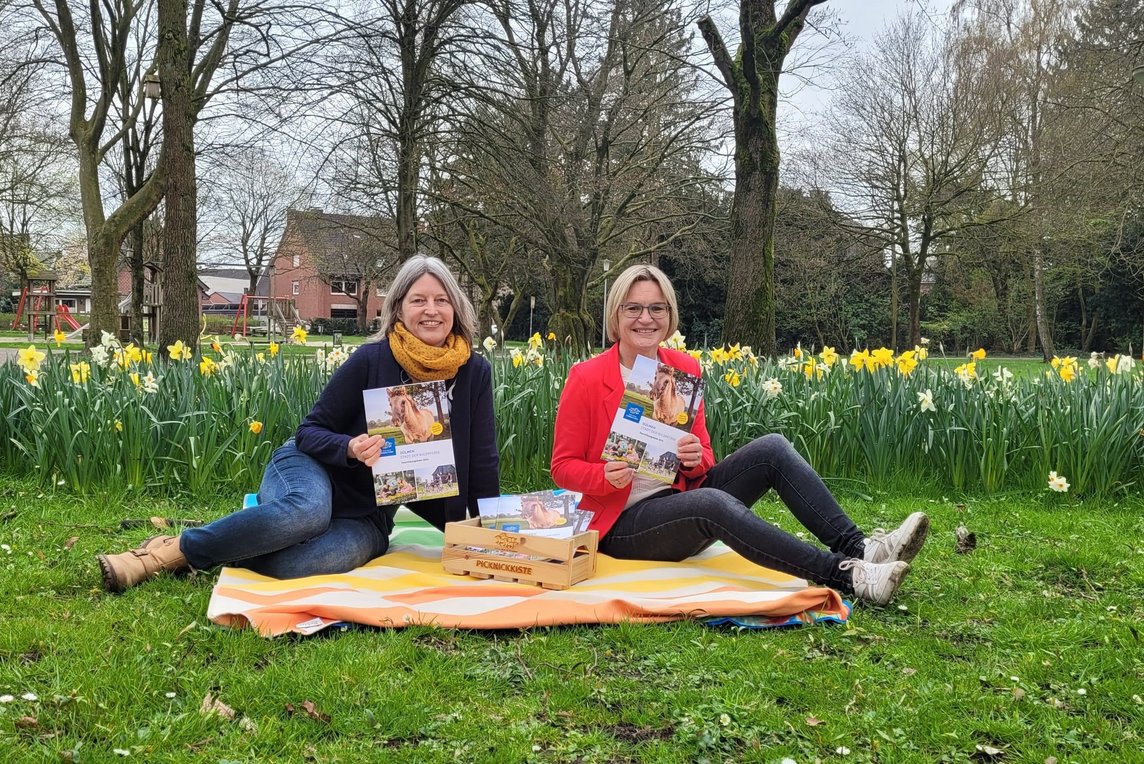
x=640, y=518
x=317, y=509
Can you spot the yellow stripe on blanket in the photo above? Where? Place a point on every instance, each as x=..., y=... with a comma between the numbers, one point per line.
x=408, y=587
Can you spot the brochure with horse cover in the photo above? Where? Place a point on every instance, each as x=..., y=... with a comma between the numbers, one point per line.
x=417, y=460
x=553, y=514
x=659, y=404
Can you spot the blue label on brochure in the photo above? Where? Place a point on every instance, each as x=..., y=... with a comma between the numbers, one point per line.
x=389, y=447
x=634, y=412
x=511, y=527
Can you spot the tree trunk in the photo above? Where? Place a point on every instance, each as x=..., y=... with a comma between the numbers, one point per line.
x=180, y=317
x=749, y=317
x=1047, y=349
x=137, y=334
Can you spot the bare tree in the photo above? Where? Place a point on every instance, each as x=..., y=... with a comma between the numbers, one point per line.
x=253, y=192
x=913, y=136
x=585, y=144
x=752, y=77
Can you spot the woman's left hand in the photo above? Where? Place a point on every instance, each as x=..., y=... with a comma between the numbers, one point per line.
x=689, y=450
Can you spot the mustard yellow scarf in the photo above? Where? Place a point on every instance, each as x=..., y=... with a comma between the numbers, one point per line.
x=426, y=363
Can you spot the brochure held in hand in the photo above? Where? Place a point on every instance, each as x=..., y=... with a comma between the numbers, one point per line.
x=417, y=460
x=659, y=404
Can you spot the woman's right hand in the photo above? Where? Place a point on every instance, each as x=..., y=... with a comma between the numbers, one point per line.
x=619, y=474
x=365, y=448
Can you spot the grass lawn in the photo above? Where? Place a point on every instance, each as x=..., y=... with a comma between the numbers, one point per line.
x=1029, y=646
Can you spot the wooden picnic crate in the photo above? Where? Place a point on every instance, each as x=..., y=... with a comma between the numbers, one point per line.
x=475, y=551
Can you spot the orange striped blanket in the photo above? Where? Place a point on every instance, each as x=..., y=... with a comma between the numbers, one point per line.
x=407, y=586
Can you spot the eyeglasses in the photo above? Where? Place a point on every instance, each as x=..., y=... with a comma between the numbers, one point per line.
x=635, y=309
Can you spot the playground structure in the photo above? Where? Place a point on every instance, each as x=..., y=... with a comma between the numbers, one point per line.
x=40, y=309
x=38, y=303
x=280, y=315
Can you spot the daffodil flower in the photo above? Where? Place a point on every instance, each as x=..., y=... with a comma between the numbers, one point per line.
x=207, y=366
x=907, y=362
x=179, y=351
x=534, y=341
x=1058, y=483
x=80, y=372
x=551, y=337
x=273, y=348
x=29, y=359
x=32, y=378
x=925, y=401
x=732, y=378
x=489, y=344
x=59, y=337
x=772, y=387
x=978, y=355
x=882, y=357
x=299, y=335
x=828, y=356
x=256, y=427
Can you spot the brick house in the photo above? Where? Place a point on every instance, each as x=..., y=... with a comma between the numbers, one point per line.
x=332, y=266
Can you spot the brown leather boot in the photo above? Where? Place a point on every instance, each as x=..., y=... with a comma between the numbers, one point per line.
x=158, y=553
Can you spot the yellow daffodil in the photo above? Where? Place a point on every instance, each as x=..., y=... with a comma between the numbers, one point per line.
x=517, y=358
x=179, y=351
x=921, y=352
x=861, y=360
x=147, y=356
x=260, y=357
x=118, y=426
x=720, y=355
x=812, y=369
x=1067, y=372
x=32, y=378
x=696, y=354
x=29, y=359
x=134, y=376
x=207, y=366
x=732, y=378
x=534, y=341
x=735, y=353
x=907, y=362
x=978, y=355
x=828, y=356
x=797, y=352
x=80, y=372
x=551, y=337
x=215, y=346
x=59, y=337
x=882, y=357
x=273, y=348
x=256, y=427
x=299, y=335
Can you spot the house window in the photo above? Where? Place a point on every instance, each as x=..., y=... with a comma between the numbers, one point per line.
x=343, y=287
x=350, y=313
x=297, y=262
x=381, y=292
x=294, y=288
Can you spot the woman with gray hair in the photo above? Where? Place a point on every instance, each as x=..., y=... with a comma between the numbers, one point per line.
x=317, y=509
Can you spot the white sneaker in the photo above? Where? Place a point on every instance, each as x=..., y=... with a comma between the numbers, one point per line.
x=875, y=582
x=903, y=543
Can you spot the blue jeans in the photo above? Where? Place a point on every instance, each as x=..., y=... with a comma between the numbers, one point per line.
x=290, y=533
x=675, y=526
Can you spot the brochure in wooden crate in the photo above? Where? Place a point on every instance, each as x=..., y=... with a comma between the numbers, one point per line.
x=519, y=557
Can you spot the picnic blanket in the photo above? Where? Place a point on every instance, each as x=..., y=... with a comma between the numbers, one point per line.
x=407, y=586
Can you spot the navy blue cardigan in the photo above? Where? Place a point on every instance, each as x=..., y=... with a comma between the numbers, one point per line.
x=339, y=415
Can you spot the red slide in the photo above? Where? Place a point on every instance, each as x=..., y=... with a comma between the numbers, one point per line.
x=63, y=314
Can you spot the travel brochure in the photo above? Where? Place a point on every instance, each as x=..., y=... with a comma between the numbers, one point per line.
x=552, y=514
x=659, y=404
x=417, y=460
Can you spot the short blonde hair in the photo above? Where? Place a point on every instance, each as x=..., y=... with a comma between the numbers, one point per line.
x=624, y=283
x=464, y=314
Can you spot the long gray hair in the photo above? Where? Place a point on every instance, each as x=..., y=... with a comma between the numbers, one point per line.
x=464, y=314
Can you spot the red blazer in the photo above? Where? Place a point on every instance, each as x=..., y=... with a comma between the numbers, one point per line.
x=588, y=405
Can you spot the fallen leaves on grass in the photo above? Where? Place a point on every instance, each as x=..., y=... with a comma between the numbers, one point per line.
x=212, y=705
x=310, y=710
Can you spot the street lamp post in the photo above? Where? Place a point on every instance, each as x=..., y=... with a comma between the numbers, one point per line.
x=604, y=310
x=531, y=308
